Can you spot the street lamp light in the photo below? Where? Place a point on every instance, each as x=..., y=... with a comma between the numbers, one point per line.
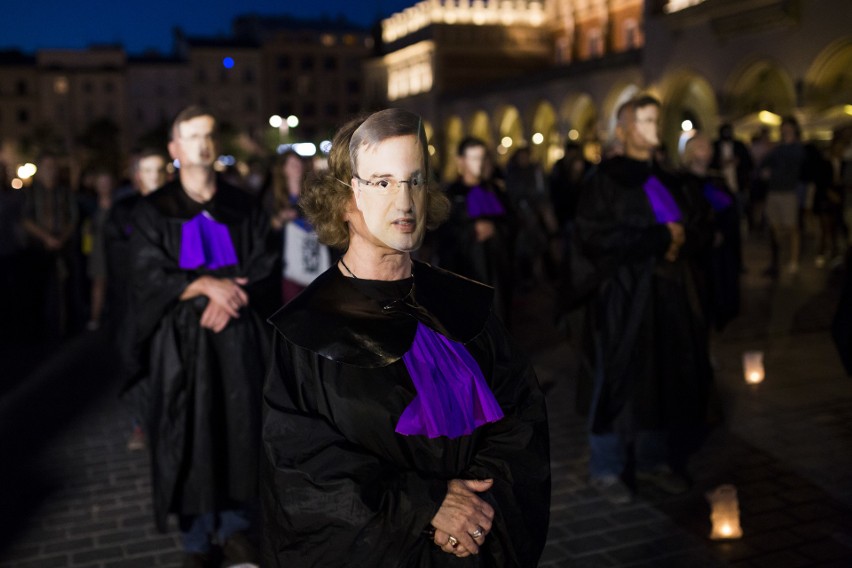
x=283, y=125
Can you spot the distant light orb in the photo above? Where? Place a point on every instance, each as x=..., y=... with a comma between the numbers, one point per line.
x=17, y=183
x=325, y=146
x=537, y=138
x=305, y=149
x=432, y=150
x=292, y=121
x=275, y=121
x=573, y=134
x=686, y=125
x=506, y=142
x=27, y=171
x=228, y=62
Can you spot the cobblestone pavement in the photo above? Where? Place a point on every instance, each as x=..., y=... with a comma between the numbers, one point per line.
x=75, y=496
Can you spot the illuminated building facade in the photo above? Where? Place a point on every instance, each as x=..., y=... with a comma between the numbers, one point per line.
x=747, y=62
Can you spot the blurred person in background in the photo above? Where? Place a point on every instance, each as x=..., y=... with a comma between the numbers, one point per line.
x=96, y=245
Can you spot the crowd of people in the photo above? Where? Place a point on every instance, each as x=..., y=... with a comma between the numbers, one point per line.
x=398, y=420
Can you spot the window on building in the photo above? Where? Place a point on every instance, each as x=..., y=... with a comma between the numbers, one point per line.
x=353, y=86
x=631, y=34
x=201, y=76
x=109, y=87
x=223, y=75
x=309, y=110
x=332, y=109
x=248, y=76
x=284, y=62
x=308, y=63
x=327, y=40
x=354, y=108
x=23, y=116
x=87, y=87
x=250, y=104
x=22, y=88
x=595, y=43
x=330, y=63
x=60, y=85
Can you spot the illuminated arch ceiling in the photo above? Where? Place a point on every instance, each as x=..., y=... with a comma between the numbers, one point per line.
x=686, y=95
x=509, y=124
x=579, y=113
x=829, y=80
x=618, y=95
x=546, y=151
x=760, y=85
x=453, y=134
x=479, y=126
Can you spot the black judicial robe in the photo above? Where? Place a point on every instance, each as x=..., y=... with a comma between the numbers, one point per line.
x=490, y=261
x=716, y=263
x=203, y=410
x=647, y=337
x=340, y=487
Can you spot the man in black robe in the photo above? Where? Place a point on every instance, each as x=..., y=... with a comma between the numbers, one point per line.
x=476, y=241
x=149, y=174
x=647, y=340
x=199, y=257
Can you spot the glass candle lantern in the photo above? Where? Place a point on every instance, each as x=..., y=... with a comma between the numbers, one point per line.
x=724, y=513
x=753, y=367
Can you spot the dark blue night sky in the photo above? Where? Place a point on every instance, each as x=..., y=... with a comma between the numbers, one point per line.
x=30, y=25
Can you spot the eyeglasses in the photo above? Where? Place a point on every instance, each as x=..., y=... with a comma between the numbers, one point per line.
x=387, y=186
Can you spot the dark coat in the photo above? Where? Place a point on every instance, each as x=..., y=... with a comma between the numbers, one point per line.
x=646, y=338
x=340, y=486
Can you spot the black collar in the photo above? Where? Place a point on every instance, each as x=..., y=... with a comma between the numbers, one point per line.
x=336, y=319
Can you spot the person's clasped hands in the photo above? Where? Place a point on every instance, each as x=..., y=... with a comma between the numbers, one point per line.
x=464, y=519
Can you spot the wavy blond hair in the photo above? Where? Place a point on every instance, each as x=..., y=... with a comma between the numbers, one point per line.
x=328, y=195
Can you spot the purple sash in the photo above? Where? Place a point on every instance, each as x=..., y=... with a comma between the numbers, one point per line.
x=483, y=203
x=453, y=398
x=662, y=202
x=718, y=199
x=206, y=242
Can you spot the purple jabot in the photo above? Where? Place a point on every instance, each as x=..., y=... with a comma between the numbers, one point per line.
x=662, y=202
x=719, y=200
x=453, y=398
x=483, y=203
x=206, y=242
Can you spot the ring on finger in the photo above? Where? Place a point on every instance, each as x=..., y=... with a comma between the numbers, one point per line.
x=453, y=541
x=477, y=533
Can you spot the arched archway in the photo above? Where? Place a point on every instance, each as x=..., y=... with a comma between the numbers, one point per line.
x=545, y=142
x=453, y=134
x=479, y=125
x=686, y=95
x=758, y=86
x=828, y=82
x=509, y=127
x=578, y=122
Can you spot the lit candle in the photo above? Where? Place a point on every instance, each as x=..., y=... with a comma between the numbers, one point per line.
x=753, y=367
x=724, y=513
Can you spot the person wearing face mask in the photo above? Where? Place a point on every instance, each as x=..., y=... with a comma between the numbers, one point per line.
x=199, y=256
x=402, y=427
x=477, y=240
x=646, y=337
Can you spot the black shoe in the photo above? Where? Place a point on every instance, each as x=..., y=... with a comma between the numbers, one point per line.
x=196, y=560
x=239, y=549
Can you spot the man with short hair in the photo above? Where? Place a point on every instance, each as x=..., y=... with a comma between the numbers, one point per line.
x=476, y=241
x=199, y=256
x=647, y=336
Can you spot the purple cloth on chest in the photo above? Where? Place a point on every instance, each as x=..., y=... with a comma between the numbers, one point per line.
x=719, y=200
x=483, y=203
x=453, y=398
x=206, y=242
x=662, y=202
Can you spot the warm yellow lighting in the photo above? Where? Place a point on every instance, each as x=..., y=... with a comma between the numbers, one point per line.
x=753, y=367
x=275, y=121
x=573, y=134
x=17, y=183
x=847, y=109
x=501, y=150
x=724, y=513
x=506, y=142
x=769, y=118
x=537, y=138
x=27, y=171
